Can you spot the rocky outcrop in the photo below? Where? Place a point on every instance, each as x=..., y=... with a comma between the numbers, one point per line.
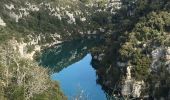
x=72, y=18
x=130, y=86
x=168, y=53
x=99, y=57
x=167, y=56
x=134, y=87
x=22, y=49
x=156, y=55
x=2, y=23
x=23, y=11
x=137, y=87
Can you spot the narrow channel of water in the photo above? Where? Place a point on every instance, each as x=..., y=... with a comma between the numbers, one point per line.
x=79, y=81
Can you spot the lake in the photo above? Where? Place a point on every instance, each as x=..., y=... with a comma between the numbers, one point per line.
x=79, y=81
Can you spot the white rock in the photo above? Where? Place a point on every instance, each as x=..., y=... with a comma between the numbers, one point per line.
x=144, y=45
x=58, y=9
x=21, y=48
x=57, y=35
x=137, y=86
x=156, y=54
x=71, y=16
x=89, y=32
x=95, y=57
x=130, y=86
x=2, y=23
x=168, y=51
x=128, y=74
x=10, y=7
x=94, y=32
x=126, y=88
x=25, y=12
x=85, y=48
x=15, y=16
x=102, y=30
x=167, y=57
x=57, y=15
x=100, y=57
x=34, y=8
x=83, y=19
x=81, y=32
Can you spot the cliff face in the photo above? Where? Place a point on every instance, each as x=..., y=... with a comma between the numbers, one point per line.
x=139, y=52
x=133, y=87
x=39, y=24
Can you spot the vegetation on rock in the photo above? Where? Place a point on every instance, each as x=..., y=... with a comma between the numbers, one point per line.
x=22, y=79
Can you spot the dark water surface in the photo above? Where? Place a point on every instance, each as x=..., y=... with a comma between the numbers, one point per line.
x=62, y=55
x=79, y=80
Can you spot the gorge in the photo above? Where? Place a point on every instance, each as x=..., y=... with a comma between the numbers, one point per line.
x=127, y=42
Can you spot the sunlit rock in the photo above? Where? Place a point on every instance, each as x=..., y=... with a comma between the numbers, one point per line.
x=2, y=23
x=15, y=16
x=10, y=7
x=156, y=54
x=71, y=16
x=168, y=53
x=128, y=74
x=137, y=86
x=127, y=85
x=83, y=19
x=131, y=87
x=102, y=30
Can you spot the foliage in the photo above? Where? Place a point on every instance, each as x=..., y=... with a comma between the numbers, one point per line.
x=30, y=48
x=148, y=30
x=23, y=79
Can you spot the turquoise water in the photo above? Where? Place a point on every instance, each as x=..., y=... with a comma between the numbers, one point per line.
x=79, y=80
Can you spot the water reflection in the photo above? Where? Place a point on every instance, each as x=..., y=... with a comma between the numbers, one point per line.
x=79, y=80
x=67, y=53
